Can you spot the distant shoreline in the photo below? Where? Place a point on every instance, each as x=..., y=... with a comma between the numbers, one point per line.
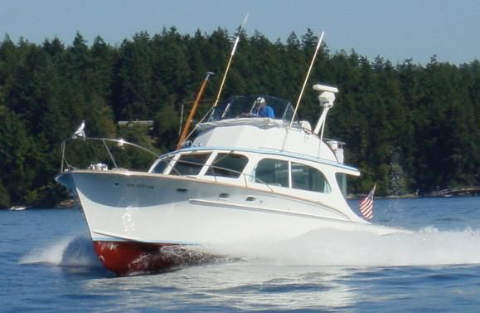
x=72, y=203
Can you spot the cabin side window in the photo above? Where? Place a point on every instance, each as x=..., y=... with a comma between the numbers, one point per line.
x=342, y=182
x=308, y=178
x=273, y=172
x=189, y=164
x=161, y=165
x=227, y=165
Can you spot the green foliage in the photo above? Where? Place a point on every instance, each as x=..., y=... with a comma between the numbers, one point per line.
x=408, y=127
x=133, y=158
x=166, y=124
x=4, y=197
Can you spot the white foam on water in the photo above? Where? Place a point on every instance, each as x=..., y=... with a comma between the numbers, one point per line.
x=321, y=247
x=51, y=254
x=342, y=248
x=69, y=252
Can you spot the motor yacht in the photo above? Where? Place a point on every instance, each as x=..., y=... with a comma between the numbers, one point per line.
x=241, y=178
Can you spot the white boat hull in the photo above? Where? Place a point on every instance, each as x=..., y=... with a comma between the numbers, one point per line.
x=140, y=212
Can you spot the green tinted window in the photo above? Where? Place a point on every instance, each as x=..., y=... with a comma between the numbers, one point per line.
x=161, y=165
x=272, y=172
x=342, y=182
x=190, y=164
x=308, y=178
x=227, y=165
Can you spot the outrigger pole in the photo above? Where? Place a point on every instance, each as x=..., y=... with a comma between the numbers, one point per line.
x=306, y=78
x=232, y=53
x=230, y=61
x=184, y=133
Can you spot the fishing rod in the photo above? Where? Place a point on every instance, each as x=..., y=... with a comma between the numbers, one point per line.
x=181, y=140
x=306, y=78
x=230, y=61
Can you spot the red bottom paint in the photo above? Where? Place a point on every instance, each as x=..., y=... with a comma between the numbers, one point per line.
x=124, y=258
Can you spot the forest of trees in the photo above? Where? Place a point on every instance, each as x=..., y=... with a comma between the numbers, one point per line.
x=408, y=127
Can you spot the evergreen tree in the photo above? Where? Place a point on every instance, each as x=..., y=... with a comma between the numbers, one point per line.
x=407, y=127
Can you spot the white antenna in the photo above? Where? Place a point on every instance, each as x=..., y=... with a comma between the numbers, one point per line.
x=306, y=78
x=234, y=49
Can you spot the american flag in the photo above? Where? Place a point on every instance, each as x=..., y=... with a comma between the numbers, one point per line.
x=366, y=205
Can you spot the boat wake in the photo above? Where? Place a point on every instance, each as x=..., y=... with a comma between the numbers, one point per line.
x=76, y=252
x=427, y=247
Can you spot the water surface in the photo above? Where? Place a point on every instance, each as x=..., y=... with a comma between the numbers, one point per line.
x=48, y=264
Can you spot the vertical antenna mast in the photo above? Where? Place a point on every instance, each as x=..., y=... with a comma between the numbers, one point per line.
x=230, y=61
x=306, y=78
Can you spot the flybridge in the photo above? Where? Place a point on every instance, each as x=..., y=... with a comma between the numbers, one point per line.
x=228, y=126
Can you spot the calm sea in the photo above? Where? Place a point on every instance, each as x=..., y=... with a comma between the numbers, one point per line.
x=47, y=264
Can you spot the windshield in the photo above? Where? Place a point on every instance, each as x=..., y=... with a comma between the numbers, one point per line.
x=253, y=106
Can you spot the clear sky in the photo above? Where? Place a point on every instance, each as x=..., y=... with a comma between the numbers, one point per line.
x=394, y=29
